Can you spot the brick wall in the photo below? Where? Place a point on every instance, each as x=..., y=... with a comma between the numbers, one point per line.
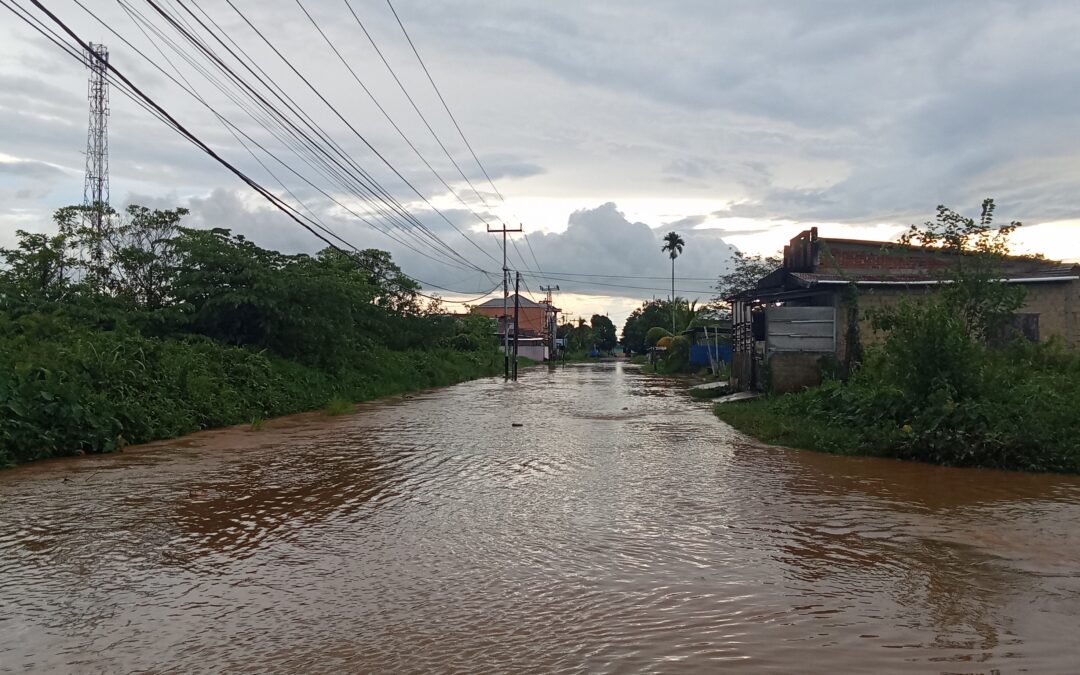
x=531, y=319
x=835, y=256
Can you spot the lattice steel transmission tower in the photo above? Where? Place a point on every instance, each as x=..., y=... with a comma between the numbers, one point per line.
x=96, y=187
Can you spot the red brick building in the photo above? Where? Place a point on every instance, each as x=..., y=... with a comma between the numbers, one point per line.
x=534, y=318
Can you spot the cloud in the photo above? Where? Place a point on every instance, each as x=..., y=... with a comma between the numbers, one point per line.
x=776, y=115
x=30, y=169
x=597, y=242
x=684, y=223
x=601, y=241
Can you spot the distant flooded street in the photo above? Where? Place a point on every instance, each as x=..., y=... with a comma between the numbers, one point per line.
x=622, y=528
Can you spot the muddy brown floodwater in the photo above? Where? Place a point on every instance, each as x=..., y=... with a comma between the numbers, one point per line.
x=621, y=529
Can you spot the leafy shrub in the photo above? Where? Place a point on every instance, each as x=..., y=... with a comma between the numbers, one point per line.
x=938, y=389
x=174, y=330
x=654, y=335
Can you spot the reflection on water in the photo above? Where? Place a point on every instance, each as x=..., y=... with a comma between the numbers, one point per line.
x=622, y=528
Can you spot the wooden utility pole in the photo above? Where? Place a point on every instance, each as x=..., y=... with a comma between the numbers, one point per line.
x=517, y=306
x=552, y=319
x=506, y=293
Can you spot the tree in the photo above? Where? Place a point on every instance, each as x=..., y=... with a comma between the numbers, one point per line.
x=652, y=313
x=744, y=274
x=673, y=246
x=580, y=337
x=143, y=252
x=603, y=332
x=655, y=334
x=953, y=232
x=37, y=269
x=975, y=291
x=686, y=313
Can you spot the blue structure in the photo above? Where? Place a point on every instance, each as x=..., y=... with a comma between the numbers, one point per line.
x=699, y=354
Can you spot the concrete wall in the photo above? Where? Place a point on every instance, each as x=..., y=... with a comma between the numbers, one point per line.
x=1058, y=307
x=1056, y=302
x=794, y=371
x=535, y=352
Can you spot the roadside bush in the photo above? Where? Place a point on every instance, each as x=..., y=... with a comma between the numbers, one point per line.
x=677, y=358
x=940, y=388
x=654, y=334
x=954, y=402
x=171, y=330
x=85, y=391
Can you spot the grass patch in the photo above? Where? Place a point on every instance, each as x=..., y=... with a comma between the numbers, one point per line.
x=766, y=421
x=339, y=405
x=1020, y=414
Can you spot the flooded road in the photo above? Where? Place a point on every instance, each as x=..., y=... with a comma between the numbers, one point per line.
x=621, y=529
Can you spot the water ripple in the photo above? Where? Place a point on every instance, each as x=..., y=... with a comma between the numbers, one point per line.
x=621, y=528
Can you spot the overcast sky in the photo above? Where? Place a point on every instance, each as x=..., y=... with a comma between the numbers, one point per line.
x=604, y=125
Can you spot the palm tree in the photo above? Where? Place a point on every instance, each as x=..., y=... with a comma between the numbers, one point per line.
x=673, y=246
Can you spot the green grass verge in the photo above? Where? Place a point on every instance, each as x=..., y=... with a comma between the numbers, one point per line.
x=766, y=421
x=95, y=391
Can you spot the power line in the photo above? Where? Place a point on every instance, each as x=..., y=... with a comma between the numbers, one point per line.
x=376, y=195
x=443, y=100
x=348, y=124
x=477, y=298
x=233, y=129
x=626, y=276
x=533, y=253
x=627, y=286
x=191, y=137
x=389, y=118
x=365, y=187
x=453, y=119
x=416, y=108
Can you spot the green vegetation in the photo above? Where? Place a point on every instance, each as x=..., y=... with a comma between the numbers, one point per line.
x=1015, y=410
x=603, y=332
x=744, y=274
x=673, y=246
x=951, y=384
x=339, y=405
x=654, y=335
x=677, y=358
x=645, y=328
x=142, y=329
x=582, y=338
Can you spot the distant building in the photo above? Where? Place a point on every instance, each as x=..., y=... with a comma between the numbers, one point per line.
x=536, y=322
x=801, y=312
